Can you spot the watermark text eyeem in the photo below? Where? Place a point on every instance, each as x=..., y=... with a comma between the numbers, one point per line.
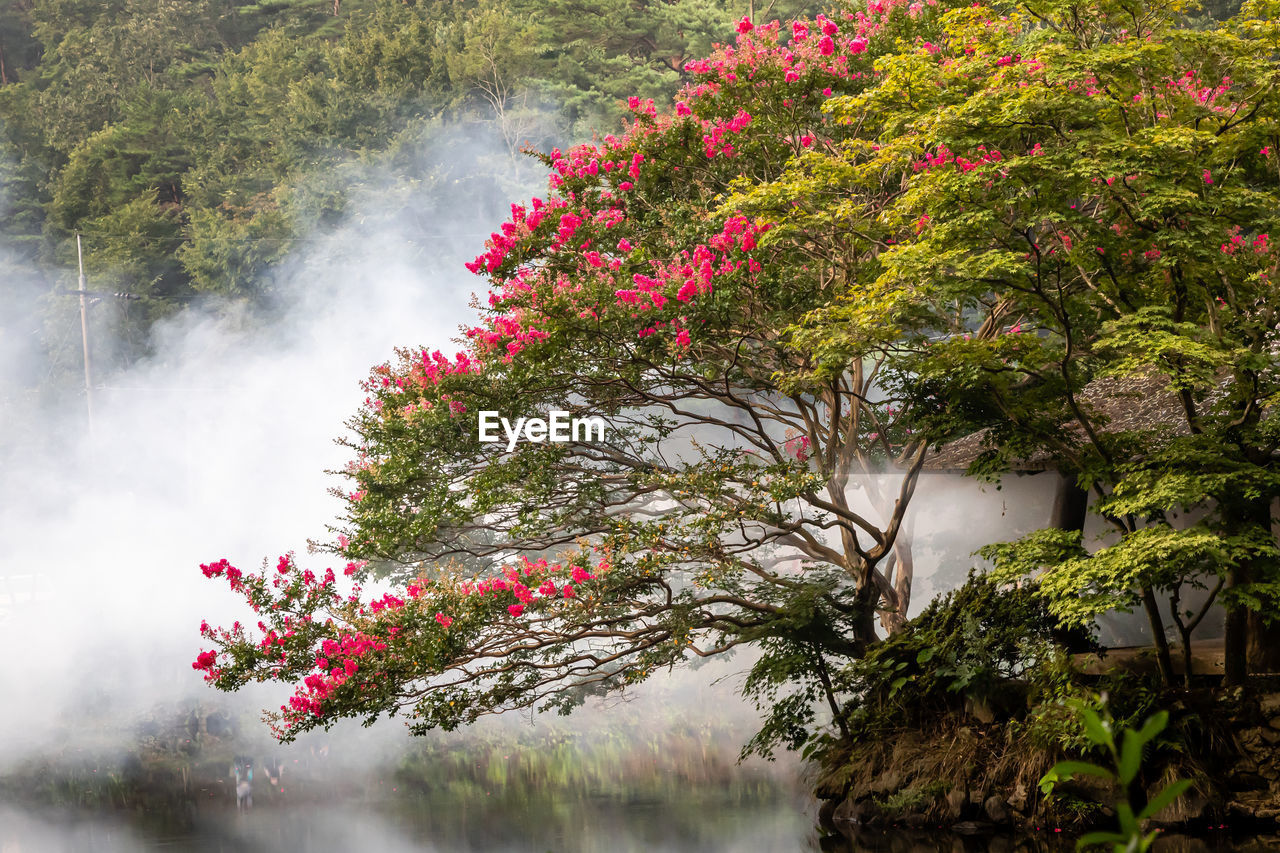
x=557, y=427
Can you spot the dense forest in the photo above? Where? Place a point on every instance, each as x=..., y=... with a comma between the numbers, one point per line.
x=194, y=144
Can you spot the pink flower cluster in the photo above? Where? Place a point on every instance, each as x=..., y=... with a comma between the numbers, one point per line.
x=337, y=662
x=1261, y=243
x=713, y=140
x=798, y=447
x=943, y=156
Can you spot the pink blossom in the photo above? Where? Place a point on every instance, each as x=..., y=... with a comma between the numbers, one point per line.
x=806, y=140
x=515, y=609
x=446, y=621
x=826, y=46
x=212, y=570
x=1208, y=178
x=745, y=25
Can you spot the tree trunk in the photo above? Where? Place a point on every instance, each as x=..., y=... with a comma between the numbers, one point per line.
x=1163, y=658
x=906, y=571
x=867, y=598
x=1070, y=503
x=1235, y=635
x=1250, y=644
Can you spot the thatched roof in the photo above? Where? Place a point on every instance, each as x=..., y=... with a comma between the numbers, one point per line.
x=1139, y=402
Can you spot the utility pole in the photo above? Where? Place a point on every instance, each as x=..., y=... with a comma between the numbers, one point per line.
x=84, y=337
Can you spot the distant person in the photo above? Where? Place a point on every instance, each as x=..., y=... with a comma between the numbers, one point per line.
x=242, y=770
x=274, y=770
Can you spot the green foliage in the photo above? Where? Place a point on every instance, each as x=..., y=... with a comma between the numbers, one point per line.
x=223, y=114
x=1125, y=756
x=973, y=645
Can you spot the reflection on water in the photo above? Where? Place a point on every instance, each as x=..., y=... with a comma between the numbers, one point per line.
x=416, y=826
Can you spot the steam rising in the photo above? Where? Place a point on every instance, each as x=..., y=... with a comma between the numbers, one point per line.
x=214, y=447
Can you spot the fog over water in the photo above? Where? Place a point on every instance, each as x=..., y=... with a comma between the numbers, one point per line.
x=216, y=446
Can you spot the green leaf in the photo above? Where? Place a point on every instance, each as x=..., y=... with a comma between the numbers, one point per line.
x=1097, y=732
x=1128, y=823
x=1130, y=757
x=1153, y=726
x=1166, y=797
x=1067, y=769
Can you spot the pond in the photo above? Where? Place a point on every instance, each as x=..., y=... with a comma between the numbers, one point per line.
x=705, y=822
x=413, y=824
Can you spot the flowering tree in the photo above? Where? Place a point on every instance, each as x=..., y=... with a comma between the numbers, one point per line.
x=846, y=239
x=726, y=507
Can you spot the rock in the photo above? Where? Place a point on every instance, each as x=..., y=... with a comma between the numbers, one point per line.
x=995, y=809
x=851, y=811
x=980, y=711
x=826, y=811
x=971, y=827
x=1274, y=722
x=1244, y=780
x=1270, y=704
x=886, y=783
x=1250, y=740
x=956, y=800
x=1192, y=806
x=1018, y=799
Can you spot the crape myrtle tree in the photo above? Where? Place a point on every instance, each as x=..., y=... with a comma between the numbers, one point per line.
x=722, y=510
x=1106, y=181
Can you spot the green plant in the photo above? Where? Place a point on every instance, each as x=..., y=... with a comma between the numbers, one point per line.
x=1133, y=809
x=916, y=797
x=982, y=642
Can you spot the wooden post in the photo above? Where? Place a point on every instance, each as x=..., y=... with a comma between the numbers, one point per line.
x=1070, y=505
x=84, y=338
